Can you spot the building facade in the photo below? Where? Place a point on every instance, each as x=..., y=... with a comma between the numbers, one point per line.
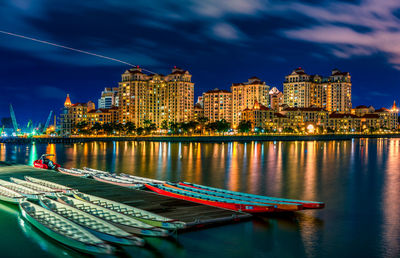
x=217, y=105
x=73, y=114
x=155, y=97
x=102, y=116
x=245, y=95
x=332, y=93
x=275, y=98
x=109, y=98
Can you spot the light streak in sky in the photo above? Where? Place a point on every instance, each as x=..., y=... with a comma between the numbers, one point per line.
x=69, y=48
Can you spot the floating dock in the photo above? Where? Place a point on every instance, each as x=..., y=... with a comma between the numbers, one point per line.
x=193, y=214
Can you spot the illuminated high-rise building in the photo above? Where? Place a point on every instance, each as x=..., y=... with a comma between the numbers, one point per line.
x=245, y=95
x=155, y=97
x=109, y=98
x=217, y=105
x=332, y=93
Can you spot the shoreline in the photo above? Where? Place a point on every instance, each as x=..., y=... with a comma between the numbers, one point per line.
x=210, y=139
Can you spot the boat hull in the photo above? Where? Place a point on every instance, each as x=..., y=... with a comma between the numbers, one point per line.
x=258, y=198
x=230, y=206
x=280, y=206
x=64, y=240
x=129, y=185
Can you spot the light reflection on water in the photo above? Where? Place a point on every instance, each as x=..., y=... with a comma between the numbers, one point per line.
x=359, y=180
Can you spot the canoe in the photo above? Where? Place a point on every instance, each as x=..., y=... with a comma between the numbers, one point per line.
x=39, y=188
x=94, y=225
x=55, y=186
x=120, y=220
x=280, y=206
x=306, y=204
x=116, y=181
x=95, y=171
x=139, y=214
x=72, y=172
x=211, y=200
x=10, y=196
x=63, y=230
x=143, y=179
x=25, y=191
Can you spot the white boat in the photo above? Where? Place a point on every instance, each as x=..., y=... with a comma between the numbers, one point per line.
x=126, y=223
x=55, y=186
x=63, y=230
x=94, y=225
x=71, y=172
x=96, y=171
x=25, y=191
x=8, y=195
x=143, y=179
x=39, y=188
x=139, y=214
x=116, y=181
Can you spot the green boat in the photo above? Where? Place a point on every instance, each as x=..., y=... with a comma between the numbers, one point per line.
x=39, y=188
x=94, y=225
x=63, y=230
x=139, y=214
x=8, y=195
x=63, y=188
x=127, y=223
x=25, y=191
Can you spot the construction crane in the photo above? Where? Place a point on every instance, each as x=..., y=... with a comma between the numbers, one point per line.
x=14, y=121
x=47, y=122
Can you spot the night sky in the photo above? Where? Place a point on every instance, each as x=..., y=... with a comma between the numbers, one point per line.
x=219, y=42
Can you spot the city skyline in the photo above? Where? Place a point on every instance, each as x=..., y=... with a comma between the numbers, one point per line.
x=220, y=44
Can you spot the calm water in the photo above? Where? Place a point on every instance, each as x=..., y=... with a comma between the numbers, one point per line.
x=358, y=180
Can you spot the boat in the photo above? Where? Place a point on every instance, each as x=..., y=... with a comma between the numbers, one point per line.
x=306, y=204
x=95, y=171
x=229, y=204
x=55, y=186
x=280, y=206
x=126, y=223
x=63, y=230
x=143, y=179
x=94, y=225
x=45, y=163
x=39, y=188
x=116, y=181
x=71, y=172
x=8, y=195
x=25, y=191
x=139, y=214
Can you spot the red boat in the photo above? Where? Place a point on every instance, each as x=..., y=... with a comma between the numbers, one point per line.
x=45, y=163
x=227, y=204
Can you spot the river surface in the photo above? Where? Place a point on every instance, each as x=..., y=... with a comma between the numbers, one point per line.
x=358, y=180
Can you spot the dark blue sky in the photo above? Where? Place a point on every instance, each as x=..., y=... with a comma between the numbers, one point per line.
x=219, y=42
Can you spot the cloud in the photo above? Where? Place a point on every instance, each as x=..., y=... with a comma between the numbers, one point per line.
x=344, y=29
x=348, y=30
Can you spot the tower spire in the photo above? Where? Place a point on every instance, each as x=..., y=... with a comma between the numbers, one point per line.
x=67, y=102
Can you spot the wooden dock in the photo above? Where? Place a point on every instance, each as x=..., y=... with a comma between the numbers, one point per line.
x=193, y=214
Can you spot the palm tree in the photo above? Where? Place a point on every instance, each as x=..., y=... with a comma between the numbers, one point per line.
x=149, y=126
x=202, y=121
x=244, y=126
x=129, y=128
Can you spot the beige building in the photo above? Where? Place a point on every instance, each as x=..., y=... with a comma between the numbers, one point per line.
x=275, y=98
x=245, y=95
x=301, y=118
x=109, y=98
x=73, y=114
x=102, y=116
x=259, y=115
x=155, y=97
x=332, y=93
x=198, y=111
x=217, y=105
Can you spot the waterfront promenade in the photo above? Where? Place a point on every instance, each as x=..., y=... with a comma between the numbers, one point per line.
x=217, y=138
